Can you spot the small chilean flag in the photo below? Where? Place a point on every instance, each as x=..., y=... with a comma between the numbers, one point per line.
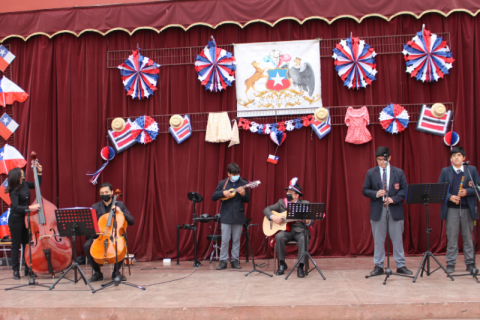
x=10, y=92
x=7, y=126
x=184, y=132
x=3, y=195
x=272, y=159
x=4, y=230
x=6, y=57
x=10, y=158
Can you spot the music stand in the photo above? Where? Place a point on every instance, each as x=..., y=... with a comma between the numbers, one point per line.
x=249, y=244
x=426, y=193
x=73, y=222
x=305, y=211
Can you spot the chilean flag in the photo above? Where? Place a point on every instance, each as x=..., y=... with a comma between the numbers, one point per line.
x=4, y=230
x=7, y=126
x=272, y=159
x=10, y=92
x=6, y=57
x=10, y=158
x=3, y=195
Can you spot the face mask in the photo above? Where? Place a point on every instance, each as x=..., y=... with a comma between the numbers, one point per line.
x=235, y=178
x=105, y=197
x=289, y=197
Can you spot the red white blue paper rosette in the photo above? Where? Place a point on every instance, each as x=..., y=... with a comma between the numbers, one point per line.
x=144, y=129
x=107, y=154
x=394, y=118
x=215, y=67
x=355, y=63
x=139, y=75
x=451, y=138
x=428, y=58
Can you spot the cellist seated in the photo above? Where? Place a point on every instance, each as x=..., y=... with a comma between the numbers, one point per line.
x=104, y=207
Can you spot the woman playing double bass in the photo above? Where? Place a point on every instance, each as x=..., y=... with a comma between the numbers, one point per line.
x=19, y=191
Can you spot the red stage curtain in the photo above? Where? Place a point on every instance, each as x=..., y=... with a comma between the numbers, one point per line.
x=72, y=93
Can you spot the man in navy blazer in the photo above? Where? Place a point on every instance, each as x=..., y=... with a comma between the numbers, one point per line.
x=460, y=208
x=386, y=184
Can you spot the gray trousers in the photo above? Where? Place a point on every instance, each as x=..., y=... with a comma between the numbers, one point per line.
x=231, y=231
x=379, y=230
x=464, y=222
x=282, y=237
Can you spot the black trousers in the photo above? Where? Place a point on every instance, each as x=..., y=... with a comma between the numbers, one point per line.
x=281, y=239
x=96, y=266
x=19, y=237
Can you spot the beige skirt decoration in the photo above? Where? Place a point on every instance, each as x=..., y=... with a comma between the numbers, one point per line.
x=218, y=128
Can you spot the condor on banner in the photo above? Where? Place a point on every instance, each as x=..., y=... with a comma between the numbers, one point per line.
x=276, y=76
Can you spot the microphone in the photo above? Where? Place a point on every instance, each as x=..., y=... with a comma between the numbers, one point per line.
x=385, y=158
x=466, y=163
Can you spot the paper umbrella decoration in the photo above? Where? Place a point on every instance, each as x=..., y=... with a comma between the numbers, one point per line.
x=394, y=118
x=144, y=129
x=139, y=75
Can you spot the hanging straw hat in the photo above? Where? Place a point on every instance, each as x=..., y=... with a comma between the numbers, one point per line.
x=438, y=110
x=118, y=124
x=176, y=121
x=321, y=114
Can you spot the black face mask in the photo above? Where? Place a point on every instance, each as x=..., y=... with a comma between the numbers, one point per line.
x=106, y=197
x=289, y=197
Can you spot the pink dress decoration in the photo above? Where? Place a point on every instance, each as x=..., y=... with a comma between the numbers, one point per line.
x=357, y=121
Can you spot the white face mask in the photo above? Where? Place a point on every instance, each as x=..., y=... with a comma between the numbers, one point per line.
x=235, y=178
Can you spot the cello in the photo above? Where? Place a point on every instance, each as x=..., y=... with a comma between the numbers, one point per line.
x=50, y=253
x=110, y=246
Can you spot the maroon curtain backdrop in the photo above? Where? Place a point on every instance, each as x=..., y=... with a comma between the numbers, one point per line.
x=72, y=93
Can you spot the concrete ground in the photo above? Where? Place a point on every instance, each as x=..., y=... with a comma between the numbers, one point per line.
x=180, y=292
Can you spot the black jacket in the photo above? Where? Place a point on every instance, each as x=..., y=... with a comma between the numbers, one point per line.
x=447, y=176
x=21, y=199
x=100, y=208
x=232, y=211
x=397, y=190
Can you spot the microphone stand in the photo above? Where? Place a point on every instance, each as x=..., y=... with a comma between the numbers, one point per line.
x=31, y=281
x=474, y=271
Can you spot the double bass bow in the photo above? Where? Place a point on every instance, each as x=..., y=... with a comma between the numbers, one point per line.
x=50, y=253
x=110, y=246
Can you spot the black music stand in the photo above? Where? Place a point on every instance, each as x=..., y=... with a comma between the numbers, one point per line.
x=73, y=222
x=426, y=193
x=249, y=244
x=305, y=211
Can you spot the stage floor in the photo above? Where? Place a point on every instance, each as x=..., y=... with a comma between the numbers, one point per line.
x=180, y=292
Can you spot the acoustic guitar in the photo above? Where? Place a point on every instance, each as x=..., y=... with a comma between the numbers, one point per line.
x=233, y=191
x=270, y=228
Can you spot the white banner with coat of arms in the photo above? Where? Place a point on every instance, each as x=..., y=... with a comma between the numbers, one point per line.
x=277, y=75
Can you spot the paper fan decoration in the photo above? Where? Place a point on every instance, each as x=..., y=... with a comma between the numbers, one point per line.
x=428, y=58
x=394, y=118
x=215, y=67
x=139, y=75
x=451, y=138
x=107, y=154
x=355, y=63
x=144, y=129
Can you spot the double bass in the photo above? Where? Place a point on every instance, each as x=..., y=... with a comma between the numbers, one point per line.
x=50, y=253
x=103, y=249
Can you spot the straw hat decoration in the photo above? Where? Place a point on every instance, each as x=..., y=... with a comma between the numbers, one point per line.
x=118, y=124
x=321, y=114
x=438, y=110
x=176, y=121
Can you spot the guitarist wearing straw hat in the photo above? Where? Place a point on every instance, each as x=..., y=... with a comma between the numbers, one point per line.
x=232, y=213
x=294, y=192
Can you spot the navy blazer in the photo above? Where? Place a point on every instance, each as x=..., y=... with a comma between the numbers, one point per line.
x=397, y=190
x=447, y=176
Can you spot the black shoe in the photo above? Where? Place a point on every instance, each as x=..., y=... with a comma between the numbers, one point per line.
x=16, y=275
x=377, y=271
x=404, y=270
x=300, y=272
x=26, y=272
x=235, y=264
x=97, y=276
x=222, y=265
x=450, y=269
x=281, y=269
x=122, y=278
x=470, y=267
